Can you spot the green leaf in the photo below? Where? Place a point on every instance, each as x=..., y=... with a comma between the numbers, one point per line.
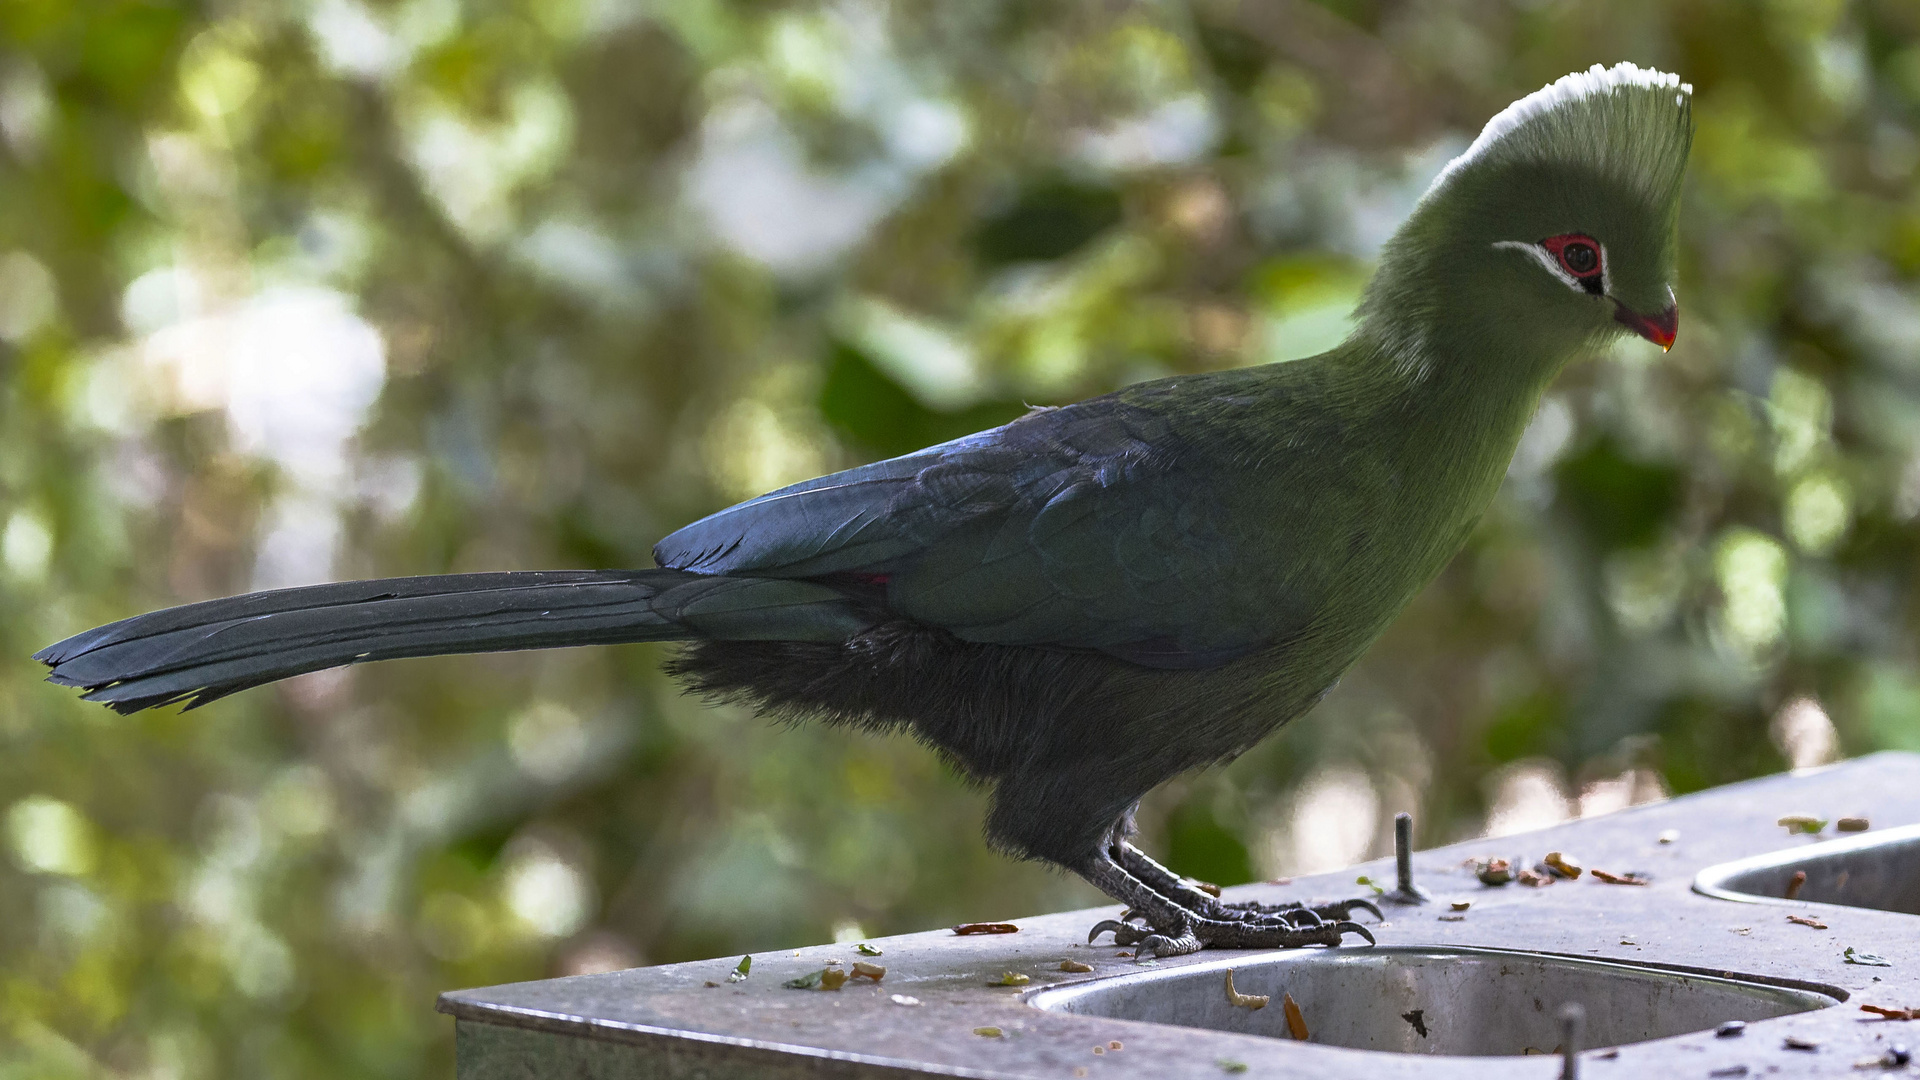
x=1866, y=959
x=741, y=970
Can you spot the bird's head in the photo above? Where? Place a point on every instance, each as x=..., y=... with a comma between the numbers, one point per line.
x=1557, y=226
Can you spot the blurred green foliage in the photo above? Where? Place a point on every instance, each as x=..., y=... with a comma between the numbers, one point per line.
x=348, y=288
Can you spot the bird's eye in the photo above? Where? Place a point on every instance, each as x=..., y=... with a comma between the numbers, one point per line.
x=1580, y=258
x=1577, y=259
x=1578, y=254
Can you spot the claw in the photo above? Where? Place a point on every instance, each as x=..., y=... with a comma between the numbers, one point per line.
x=1347, y=907
x=1124, y=933
x=1345, y=928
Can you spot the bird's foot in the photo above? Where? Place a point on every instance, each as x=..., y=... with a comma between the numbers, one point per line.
x=1284, y=931
x=1166, y=917
x=1164, y=882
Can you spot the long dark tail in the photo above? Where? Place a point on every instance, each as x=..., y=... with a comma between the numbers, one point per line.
x=204, y=651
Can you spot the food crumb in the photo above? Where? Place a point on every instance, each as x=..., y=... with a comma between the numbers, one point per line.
x=904, y=999
x=1296, y=1022
x=1461, y=905
x=1852, y=824
x=1075, y=966
x=1116, y=1045
x=1244, y=1001
x=1802, y=824
x=1806, y=920
x=1227, y=1065
x=1669, y=836
x=989, y=1032
x=965, y=929
x=1795, y=1042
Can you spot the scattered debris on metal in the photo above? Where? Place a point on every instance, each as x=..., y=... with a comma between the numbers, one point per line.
x=1560, y=864
x=1630, y=878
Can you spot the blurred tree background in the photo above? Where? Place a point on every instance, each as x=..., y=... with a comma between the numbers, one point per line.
x=337, y=288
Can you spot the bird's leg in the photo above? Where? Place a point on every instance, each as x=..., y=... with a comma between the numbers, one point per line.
x=1167, y=883
x=1173, y=928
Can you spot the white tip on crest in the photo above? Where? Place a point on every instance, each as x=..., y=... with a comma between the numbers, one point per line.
x=1562, y=92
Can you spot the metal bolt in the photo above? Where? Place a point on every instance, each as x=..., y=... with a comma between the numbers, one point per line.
x=1572, y=1019
x=1406, y=891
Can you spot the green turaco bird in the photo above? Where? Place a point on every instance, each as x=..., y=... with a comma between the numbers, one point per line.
x=1085, y=602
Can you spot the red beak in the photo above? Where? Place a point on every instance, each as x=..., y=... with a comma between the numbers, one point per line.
x=1660, y=329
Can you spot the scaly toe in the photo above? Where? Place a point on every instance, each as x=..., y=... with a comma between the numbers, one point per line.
x=1162, y=945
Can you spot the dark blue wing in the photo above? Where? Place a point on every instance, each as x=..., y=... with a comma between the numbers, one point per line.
x=1099, y=525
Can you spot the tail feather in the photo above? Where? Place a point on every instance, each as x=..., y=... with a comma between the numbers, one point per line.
x=204, y=651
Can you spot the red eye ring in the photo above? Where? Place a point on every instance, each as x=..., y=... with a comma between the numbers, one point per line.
x=1578, y=254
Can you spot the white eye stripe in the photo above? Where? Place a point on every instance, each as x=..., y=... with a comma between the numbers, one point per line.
x=1546, y=259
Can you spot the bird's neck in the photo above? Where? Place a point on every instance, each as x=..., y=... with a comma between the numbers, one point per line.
x=1454, y=348
x=1456, y=394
